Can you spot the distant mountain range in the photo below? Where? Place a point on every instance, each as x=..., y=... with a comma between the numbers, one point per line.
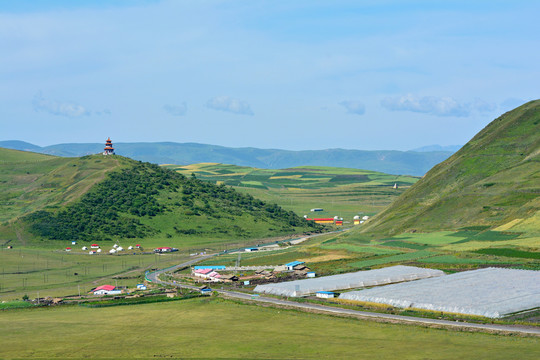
x=452, y=148
x=416, y=162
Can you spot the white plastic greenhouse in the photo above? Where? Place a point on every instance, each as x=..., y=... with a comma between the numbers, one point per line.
x=490, y=292
x=354, y=280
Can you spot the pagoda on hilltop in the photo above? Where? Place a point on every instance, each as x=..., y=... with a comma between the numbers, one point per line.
x=109, y=150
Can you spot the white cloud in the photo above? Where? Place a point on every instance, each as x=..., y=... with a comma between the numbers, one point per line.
x=438, y=106
x=483, y=106
x=226, y=103
x=176, y=110
x=59, y=108
x=353, y=107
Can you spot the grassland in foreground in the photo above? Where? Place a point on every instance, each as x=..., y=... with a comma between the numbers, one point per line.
x=215, y=328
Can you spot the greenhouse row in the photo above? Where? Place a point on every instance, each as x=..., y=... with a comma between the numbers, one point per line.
x=354, y=280
x=491, y=292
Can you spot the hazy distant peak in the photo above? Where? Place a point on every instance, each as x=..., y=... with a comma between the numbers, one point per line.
x=437, y=147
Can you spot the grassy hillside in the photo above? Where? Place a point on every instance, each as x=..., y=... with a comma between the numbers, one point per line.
x=31, y=181
x=339, y=191
x=492, y=182
x=389, y=161
x=109, y=198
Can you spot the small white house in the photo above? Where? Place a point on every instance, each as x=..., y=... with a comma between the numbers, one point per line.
x=112, y=251
x=141, y=287
x=94, y=246
x=119, y=248
x=84, y=248
x=324, y=294
x=365, y=217
x=130, y=247
x=115, y=246
x=310, y=274
x=73, y=243
x=68, y=249
x=98, y=250
x=91, y=252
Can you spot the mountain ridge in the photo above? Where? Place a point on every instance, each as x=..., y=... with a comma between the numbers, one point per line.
x=492, y=181
x=415, y=163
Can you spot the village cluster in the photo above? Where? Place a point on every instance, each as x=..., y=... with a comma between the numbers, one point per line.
x=222, y=273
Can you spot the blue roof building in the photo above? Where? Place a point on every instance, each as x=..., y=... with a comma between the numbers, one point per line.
x=291, y=265
x=213, y=267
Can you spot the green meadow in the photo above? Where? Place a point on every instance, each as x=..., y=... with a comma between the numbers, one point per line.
x=216, y=328
x=446, y=250
x=51, y=272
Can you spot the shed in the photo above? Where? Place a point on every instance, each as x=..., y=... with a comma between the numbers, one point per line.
x=251, y=249
x=141, y=287
x=324, y=294
x=311, y=274
x=206, y=291
x=73, y=243
x=291, y=265
x=229, y=278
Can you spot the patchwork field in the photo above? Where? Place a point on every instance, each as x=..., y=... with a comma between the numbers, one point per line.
x=213, y=328
x=339, y=191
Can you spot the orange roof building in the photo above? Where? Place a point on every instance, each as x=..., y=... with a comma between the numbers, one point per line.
x=109, y=150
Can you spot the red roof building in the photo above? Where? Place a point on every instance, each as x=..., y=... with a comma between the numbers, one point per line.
x=104, y=287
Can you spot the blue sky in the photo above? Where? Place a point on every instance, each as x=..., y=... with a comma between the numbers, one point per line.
x=295, y=75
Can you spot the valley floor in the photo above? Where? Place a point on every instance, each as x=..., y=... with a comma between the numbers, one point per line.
x=217, y=328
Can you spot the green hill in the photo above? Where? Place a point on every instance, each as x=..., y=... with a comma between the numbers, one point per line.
x=31, y=181
x=106, y=198
x=493, y=182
